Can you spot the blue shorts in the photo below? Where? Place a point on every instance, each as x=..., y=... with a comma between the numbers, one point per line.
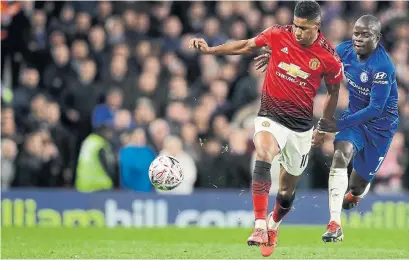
x=369, y=149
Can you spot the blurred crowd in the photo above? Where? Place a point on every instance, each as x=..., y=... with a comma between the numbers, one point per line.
x=70, y=69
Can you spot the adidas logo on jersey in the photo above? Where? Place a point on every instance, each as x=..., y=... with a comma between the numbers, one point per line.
x=285, y=50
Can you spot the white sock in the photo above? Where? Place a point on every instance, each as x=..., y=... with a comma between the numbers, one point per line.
x=272, y=224
x=261, y=223
x=337, y=186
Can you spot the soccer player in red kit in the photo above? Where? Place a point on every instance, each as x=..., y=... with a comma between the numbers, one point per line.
x=300, y=58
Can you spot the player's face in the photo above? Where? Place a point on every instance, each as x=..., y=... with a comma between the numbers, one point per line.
x=305, y=31
x=364, y=39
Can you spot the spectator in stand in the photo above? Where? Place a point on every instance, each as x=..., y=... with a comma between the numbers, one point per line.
x=246, y=89
x=119, y=77
x=96, y=168
x=116, y=30
x=25, y=92
x=64, y=141
x=38, y=54
x=105, y=113
x=8, y=156
x=80, y=98
x=79, y=53
x=144, y=113
x=134, y=161
x=29, y=162
x=238, y=160
x=122, y=125
x=8, y=126
x=98, y=48
x=58, y=72
x=177, y=114
x=148, y=87
x=39, y=162
x=158, y=130
x=172, y=31
x=82, y=25
x=212, y=169
x=190, y=140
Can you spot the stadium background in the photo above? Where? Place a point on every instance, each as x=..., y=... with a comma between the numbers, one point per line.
x=70, y=67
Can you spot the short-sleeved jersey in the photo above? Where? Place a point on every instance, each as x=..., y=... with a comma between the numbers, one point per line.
x=366, y=78
x=293, y=75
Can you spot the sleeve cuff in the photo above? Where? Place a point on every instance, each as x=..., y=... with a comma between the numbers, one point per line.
x=260, y=40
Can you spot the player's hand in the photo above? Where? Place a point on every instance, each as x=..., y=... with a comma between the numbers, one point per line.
x=317, y=138
x=327, y=125
x=199, y=44
x=262, y=59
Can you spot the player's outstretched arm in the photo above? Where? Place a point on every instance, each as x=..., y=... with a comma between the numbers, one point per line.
x=231, y=48
x=331, y=102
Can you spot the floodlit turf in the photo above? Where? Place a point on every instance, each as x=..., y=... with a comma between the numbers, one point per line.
x=189, y=243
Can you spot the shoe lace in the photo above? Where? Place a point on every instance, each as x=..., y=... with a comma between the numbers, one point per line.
x=332, y=226
x=272, y=233
x=258, y=231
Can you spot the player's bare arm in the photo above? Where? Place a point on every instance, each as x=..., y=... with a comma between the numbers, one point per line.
x=232, y=48
x=330, y=104
x=329, y=110
x=332, y=100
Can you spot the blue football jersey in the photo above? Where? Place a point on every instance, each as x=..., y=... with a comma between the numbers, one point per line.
x=373, y=91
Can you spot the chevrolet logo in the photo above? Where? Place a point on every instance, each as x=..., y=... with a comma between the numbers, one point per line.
x=293, y=70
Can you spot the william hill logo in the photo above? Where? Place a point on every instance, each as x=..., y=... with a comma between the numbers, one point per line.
x=155, y=213
x=382, y=215
x=25, y=213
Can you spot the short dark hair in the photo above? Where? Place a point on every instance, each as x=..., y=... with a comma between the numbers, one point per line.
x=307, y=9
x=371, y=21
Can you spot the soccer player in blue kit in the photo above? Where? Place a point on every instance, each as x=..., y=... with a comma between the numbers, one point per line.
x=366, y=128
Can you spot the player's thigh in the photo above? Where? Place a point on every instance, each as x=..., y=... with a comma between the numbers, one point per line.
x=269, y=137
x=369, y=160
x=294, y=157
x=354, y=136
x=287, y=182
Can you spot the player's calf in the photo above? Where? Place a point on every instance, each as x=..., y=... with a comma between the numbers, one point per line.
x=260, y=189
x=266, y=149
x=338, y=178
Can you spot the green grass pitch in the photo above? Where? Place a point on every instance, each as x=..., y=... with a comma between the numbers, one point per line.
x=197, y=243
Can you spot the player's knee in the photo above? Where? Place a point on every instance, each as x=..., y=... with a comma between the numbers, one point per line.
x=266, y=153
x=285, y=196
x=341, y=158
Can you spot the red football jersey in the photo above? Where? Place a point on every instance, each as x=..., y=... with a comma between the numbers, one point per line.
x=293, y=76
